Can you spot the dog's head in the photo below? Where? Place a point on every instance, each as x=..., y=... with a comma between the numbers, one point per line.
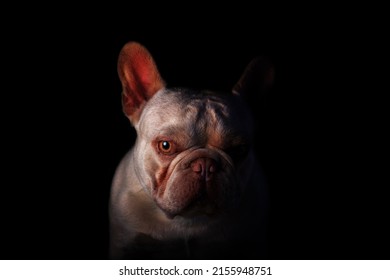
x=193, y=153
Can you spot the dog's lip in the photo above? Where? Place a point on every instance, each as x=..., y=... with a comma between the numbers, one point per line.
x=196, y=214
x=207, y=212
x=195, y=219
x=170, y=216
x=191, y=214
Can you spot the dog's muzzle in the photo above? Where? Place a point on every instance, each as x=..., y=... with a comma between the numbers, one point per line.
x=202, y=182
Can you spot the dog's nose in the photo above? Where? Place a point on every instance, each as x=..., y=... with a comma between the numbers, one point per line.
x=205, y=167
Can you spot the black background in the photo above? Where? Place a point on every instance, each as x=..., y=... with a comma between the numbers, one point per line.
x=66, y=133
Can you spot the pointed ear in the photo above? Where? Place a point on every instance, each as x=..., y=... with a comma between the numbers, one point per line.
x=256, y=81
x=139, y=77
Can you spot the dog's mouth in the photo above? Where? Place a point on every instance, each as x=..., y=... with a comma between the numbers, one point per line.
x=194, y=211
x=191, y=216
x=197, y=220
x=198, y=207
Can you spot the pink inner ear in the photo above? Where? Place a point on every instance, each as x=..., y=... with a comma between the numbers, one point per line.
x=144, y=74
x=139, y=76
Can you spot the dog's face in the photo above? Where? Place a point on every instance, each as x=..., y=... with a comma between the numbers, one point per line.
x=189, y=151
x=193, y=152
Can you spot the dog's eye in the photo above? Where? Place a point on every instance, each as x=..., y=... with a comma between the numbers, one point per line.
x=165, y=147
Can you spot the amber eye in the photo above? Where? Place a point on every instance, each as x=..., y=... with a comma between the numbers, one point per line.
x=165, y=147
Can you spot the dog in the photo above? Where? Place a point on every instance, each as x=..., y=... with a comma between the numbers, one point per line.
x=191, y=186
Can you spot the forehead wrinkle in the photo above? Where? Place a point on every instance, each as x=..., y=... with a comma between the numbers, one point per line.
x=218, y=116
x=209, y=118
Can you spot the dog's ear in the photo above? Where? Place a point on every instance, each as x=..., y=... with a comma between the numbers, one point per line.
x=256, y=81
x=140, y=79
